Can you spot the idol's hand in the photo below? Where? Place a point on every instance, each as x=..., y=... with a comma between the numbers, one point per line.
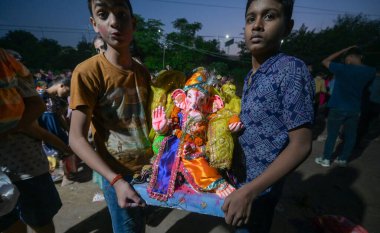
x=159, y=121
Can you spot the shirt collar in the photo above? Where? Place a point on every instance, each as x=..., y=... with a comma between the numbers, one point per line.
x=264, y=67
x=268, y=63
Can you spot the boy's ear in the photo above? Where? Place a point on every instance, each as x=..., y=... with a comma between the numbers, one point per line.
x=289, y=27
x=93, y=23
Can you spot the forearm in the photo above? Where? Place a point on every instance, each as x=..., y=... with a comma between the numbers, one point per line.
x=296, y=152
x=85, y=151
x=49, y=138
x=326, y=62
x=80, y=123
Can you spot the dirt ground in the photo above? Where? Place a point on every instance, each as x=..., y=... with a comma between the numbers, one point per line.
x=311, y=190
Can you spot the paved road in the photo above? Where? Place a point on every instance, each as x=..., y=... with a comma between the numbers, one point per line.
x=310, y=190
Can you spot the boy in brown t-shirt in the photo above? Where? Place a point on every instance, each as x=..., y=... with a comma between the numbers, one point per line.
x=110, y=91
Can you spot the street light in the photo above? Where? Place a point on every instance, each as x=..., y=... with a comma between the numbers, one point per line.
x=220, y=42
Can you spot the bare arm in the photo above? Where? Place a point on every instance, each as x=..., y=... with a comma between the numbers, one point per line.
x=34, y=107
x=326, y=62
x=80, y=121
x=37, y=131
x=237, y=206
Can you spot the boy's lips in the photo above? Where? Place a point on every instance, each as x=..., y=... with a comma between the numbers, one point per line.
x=116, y=34
x=256, y=38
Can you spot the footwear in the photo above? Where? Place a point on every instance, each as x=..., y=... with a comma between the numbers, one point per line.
x=341, y=163
x=322, y=162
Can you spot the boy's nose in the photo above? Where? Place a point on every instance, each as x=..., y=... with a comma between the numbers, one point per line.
x=258, y=25
x=114, y=21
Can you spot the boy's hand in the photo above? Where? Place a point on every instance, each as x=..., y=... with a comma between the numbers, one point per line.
x=127, y=197
x=237, y=207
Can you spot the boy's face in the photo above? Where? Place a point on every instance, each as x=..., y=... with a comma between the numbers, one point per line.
x=265, y=27
x=112, y=19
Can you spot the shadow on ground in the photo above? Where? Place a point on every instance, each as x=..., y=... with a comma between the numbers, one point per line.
x=321, y=194
x=196, y=223
x=99, y=222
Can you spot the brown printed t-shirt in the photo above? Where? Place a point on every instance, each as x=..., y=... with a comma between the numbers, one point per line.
x=118, y=102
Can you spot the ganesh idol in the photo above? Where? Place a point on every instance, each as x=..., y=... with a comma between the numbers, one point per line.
x=186, y=150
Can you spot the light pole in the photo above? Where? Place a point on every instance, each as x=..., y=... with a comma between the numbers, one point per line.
x=163, y=41
x=163, y=57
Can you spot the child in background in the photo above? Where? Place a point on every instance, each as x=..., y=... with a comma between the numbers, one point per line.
x=110, y=90
x=277, y=112
x=54, y=120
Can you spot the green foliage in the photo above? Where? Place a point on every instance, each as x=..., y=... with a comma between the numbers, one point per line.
x=45, y=53
x=147, y=39
x=313, y=46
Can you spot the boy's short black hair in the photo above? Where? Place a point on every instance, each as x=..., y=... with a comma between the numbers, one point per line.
x=89, y=2
x=287, y=4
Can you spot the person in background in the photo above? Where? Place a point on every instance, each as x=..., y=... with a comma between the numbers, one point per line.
x=54, y=121
x=26, y=166
x=99, y=44
x=277, y=112
x=111, y=90
x=320, y=92
x=345, y=102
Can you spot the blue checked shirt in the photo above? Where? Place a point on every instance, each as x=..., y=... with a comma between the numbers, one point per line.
x=276, y=99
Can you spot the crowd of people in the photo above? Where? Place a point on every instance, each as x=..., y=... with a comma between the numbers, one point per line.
x=49, y=118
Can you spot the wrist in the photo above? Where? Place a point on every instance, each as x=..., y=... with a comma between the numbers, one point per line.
x=117, y=178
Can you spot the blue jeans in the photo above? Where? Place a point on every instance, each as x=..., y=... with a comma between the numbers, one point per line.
x=124, y=220
x=349, y=121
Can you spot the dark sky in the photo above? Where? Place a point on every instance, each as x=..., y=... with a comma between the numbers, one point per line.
x=67, y=21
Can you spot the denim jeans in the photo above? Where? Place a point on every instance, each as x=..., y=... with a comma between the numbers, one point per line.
x=349, y=121
x=124, y=220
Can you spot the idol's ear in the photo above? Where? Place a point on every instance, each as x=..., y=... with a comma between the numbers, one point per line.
x=214, y=104
x=179, y=97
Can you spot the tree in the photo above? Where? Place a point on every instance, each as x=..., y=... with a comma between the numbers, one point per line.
x=147, y=44
x=23, y=42
x=313, y=46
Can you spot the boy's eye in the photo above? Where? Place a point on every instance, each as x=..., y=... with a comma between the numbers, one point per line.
x=250, y=19
x=102, y=14
x=269, y=16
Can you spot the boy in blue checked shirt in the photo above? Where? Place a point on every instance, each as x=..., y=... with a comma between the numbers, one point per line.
x=277, y=112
